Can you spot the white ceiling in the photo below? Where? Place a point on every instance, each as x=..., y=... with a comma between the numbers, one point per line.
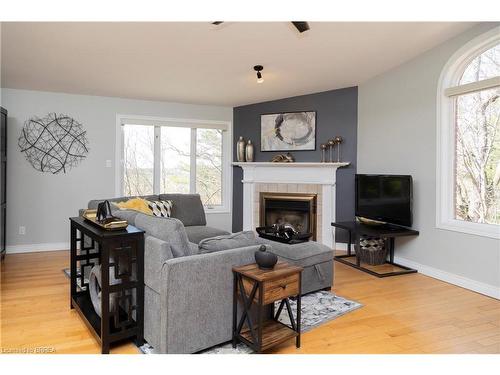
x=196, y=62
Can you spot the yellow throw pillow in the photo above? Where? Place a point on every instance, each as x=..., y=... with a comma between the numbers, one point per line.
x=136, y=204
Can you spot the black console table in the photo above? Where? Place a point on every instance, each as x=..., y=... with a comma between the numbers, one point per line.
x=388, y=232
x=120, y=252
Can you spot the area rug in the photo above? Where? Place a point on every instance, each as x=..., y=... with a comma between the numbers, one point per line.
x=317, y=308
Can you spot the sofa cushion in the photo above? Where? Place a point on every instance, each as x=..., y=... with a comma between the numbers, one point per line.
x=196, y=233
x=167, y=229
x=303, y=254
x=194, y=248
x=187, y=208
x=226, y=242
x=128, y=215
x=156, y=253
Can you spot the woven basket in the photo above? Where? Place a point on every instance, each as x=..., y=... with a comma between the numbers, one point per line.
x=372, y=250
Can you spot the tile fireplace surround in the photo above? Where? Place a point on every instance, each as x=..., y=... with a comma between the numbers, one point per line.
x=312, y=178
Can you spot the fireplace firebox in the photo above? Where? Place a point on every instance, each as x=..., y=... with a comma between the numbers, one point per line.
x=296, y=209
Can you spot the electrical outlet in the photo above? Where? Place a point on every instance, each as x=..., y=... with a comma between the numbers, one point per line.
x=108, y=164
x=22, y=230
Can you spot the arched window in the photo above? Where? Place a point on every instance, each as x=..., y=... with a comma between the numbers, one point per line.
x=469, y=139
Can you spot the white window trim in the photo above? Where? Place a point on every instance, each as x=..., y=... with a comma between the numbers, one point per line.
x=449, y=79
x=469, y=88
x=227, y=172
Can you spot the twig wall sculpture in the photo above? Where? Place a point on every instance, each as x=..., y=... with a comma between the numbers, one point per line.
x=55, y=143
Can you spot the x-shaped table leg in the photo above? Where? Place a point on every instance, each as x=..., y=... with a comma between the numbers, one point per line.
x=247, y=304
x=286, y=302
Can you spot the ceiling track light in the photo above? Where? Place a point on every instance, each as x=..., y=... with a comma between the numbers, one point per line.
x=301, y=26
x=258, y=69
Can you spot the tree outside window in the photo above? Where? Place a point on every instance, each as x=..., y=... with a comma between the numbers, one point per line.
x=209, y=166
x=189, y=161
x=477, y=148
x=175, y=160
x=138, y=160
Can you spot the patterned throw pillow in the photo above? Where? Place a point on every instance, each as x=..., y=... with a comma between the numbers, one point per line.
x=161, y=208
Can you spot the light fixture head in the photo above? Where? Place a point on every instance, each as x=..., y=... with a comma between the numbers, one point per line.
x=301, y=26
x=258, y=69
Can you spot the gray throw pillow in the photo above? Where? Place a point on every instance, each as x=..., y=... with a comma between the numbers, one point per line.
x=227, y=242
x=167, y=229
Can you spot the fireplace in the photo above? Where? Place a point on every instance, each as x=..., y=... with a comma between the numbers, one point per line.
x=298, y=177
x=297, y=209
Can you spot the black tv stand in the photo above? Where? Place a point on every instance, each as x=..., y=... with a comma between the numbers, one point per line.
x=388, y=232
x=391, y=227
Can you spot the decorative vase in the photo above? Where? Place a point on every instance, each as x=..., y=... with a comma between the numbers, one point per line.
x=264, y=259
x=249, y=151
x=95, y=288
x=240, y=150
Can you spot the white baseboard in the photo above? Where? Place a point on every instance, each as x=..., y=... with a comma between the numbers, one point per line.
x=341, y=246
x=476, y=286
x=37, y=247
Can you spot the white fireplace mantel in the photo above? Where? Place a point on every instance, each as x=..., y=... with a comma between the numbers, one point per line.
x=323, y=174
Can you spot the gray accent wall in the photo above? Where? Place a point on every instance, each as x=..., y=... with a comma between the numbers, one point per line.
x=397, y=134
x=336, y=115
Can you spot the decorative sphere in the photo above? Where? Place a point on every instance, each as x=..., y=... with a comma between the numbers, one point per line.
x=264, y=259
x=323, y=146
x=338, y=139
x=331, y=142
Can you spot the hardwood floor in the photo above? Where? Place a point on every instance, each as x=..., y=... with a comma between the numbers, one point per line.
x=35, y=307
x=403, y=314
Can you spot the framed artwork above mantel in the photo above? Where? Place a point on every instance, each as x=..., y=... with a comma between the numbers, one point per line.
x=288, y=131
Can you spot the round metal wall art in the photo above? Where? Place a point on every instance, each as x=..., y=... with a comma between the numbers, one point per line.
x=54, y=144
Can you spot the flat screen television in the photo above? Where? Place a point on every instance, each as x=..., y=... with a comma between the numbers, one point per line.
x=385, y=198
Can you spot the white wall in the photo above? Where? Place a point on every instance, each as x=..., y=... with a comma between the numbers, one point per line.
x=43, y=202
x=397, y=134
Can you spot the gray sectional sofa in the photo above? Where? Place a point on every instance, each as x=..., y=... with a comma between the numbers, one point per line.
x=186, y=207
x=188, y=291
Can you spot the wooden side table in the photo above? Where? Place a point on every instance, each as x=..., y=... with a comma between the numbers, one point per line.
x=263, y=288
x=120, y=252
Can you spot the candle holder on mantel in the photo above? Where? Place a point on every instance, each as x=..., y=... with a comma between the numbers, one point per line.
x=338, y=140
x=331, y=145
x=323, y=147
